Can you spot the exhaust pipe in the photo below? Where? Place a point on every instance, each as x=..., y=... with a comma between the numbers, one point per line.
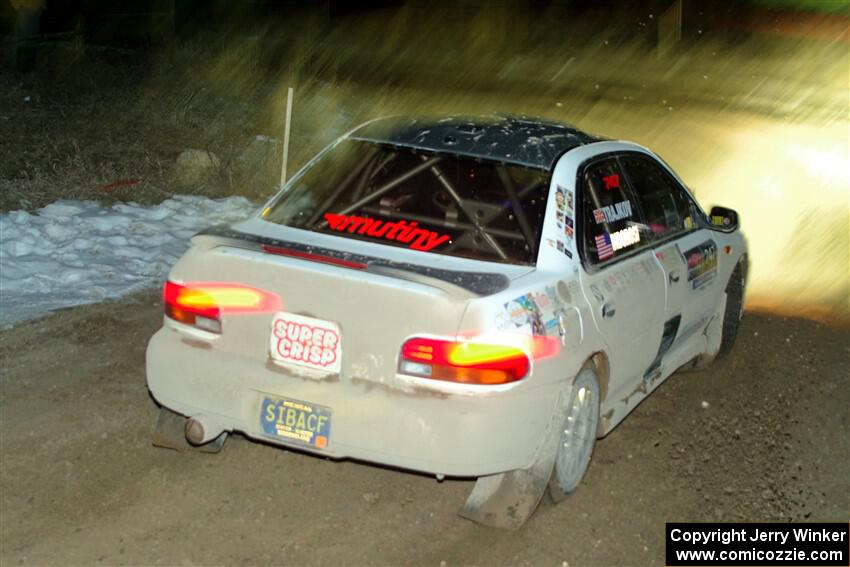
x=200, y=430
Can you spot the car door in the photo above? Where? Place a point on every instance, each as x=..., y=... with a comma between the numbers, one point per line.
x=620, y=278
x=686, y=251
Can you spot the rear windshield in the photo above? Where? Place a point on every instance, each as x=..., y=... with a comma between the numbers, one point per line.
x=440, y=204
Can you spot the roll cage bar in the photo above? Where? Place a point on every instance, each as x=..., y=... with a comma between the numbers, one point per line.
x=478, y=218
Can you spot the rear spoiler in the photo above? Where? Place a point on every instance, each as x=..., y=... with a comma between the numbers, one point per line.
x=453, y=282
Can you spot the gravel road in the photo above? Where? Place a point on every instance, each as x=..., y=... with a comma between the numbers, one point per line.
x=763, y=435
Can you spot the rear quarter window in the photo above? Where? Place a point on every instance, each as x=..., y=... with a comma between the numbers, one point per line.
x=440, y=204
x=612, y=222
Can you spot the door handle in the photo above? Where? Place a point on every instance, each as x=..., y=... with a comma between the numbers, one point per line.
x=673, y=277
x=609, y=310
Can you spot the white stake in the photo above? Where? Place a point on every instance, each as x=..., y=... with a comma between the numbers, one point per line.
x=289, y=96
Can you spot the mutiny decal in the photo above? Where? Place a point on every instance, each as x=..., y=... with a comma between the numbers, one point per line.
x=400, y=231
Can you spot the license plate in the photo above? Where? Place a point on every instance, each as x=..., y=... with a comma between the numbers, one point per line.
x=296, y=421
x=306, y=342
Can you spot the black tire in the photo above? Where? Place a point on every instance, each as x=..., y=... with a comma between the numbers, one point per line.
x=734, y=310
x=578, y=436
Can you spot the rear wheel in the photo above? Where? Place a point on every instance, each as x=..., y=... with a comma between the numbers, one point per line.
x=578, y=436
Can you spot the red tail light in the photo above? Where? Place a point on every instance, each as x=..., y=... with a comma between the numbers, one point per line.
x=201, y=304
x=463, y=362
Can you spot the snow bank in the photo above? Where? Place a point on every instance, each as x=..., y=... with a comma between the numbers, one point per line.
x=76, y=252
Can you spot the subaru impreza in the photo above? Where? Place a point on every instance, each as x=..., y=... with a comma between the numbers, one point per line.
x=479, y=298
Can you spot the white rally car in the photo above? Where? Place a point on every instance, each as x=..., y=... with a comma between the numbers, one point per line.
x=462, y=297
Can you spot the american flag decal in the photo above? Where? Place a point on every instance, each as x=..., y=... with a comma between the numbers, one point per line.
x=603, y=246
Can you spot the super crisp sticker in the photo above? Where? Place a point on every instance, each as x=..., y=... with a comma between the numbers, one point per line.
x=307, y=342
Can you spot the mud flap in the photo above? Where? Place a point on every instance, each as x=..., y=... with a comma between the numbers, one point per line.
x=170, y=433
x=714, y=330
x=508, y=499
x=712, y=335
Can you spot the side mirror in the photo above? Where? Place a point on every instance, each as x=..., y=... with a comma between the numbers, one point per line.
x=723, y=219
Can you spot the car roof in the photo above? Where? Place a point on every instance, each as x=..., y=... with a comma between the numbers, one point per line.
x=517, y=140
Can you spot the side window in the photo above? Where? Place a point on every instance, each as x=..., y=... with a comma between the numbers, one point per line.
x=664, y=204
x=610, y=218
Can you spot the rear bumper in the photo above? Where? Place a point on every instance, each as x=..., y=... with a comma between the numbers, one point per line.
x=381, y=421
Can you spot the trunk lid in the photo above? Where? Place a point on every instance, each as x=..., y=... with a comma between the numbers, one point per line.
x=373, y=296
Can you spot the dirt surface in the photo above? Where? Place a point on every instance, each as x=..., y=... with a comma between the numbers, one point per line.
x=761, y=435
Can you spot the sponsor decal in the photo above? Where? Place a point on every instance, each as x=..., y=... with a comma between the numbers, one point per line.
x=400, y=231
x=524, y=313
x=611, y=181
x=613, y=213
x=516, y=313
x=560, y=197
x=689, y=223
x=568, y=254
x=626, y=237
x=542, y=300
x=720, y=221
x=702, y=264
x=305, y=341
x=531, y=313
x=570, y=206
x=607, y=244
x=560, y=246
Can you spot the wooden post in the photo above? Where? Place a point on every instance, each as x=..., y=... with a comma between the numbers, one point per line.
x=286, y=129
x=670, y=27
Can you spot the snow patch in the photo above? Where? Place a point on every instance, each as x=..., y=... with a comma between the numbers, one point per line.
x=76, y=252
